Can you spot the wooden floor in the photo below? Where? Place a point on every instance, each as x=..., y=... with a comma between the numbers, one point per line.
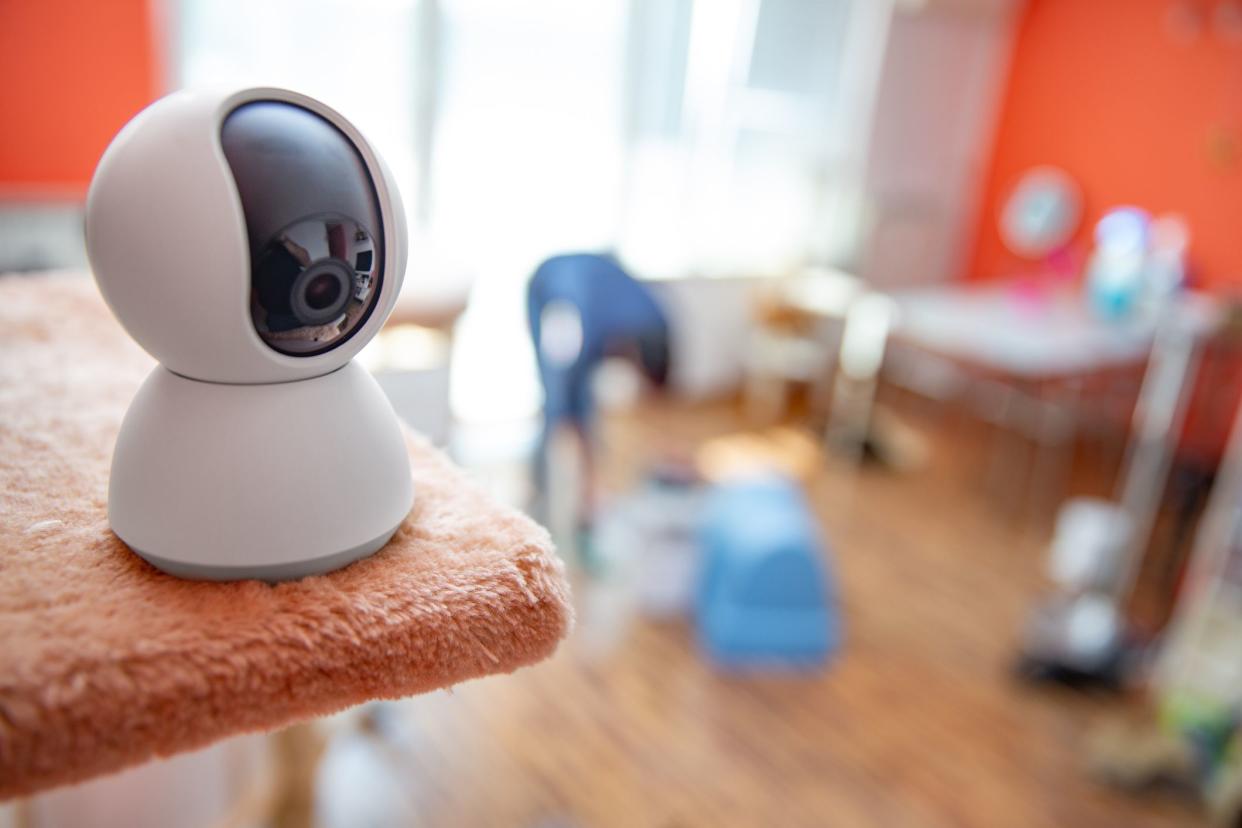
x=919, y=722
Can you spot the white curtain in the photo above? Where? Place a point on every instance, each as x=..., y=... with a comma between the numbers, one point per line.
x=705, y=137
x=748, y=154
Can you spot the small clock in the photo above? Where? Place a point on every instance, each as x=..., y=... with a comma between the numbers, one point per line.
x=1041, y=214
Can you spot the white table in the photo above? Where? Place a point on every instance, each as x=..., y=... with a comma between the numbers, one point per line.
x=1053, y=336
x=1035, y=351
x=1031, y=347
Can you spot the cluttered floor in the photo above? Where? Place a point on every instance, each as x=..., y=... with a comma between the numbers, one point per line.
x=919, y=720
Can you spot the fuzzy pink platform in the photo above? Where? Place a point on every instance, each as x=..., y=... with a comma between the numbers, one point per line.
x=106, y=662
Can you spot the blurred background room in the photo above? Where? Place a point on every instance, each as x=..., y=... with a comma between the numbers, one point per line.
x=874, y=364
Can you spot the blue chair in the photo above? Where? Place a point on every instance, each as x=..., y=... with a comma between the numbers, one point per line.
x=766, y=598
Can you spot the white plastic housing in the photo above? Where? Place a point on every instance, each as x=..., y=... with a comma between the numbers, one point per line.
x=236, y=460
x=167, y=241
x=274, y=482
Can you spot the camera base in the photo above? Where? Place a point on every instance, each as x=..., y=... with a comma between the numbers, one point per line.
x=221, y=482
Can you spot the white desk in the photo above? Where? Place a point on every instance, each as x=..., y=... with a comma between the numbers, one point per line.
x=1055, y=336
x=1034, y=354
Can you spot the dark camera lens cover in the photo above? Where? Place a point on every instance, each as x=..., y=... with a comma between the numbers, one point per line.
x=313, y=222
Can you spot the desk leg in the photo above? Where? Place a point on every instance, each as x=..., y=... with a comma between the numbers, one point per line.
x=1006, y=470
x=1054, y=441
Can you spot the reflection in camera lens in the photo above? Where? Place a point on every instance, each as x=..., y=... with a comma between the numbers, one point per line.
x=274, y=276
x=323, y=291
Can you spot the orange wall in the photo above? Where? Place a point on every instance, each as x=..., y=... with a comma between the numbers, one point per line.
x=73, y=72
x=1102, y=89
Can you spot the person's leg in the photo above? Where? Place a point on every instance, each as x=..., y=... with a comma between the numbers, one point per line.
x=588, y=484
x=559, y=405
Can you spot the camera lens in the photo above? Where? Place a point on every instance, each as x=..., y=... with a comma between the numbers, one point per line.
x=323, y=291
x=314, y=283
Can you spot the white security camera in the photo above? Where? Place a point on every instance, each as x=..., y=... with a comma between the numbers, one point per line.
x=251, y=242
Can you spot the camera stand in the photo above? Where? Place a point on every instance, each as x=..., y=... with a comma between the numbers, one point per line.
x=215, y=481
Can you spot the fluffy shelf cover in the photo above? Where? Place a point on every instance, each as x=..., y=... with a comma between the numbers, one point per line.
x=105, y=662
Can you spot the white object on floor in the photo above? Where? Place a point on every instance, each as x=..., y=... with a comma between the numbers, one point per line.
x=652, y=535
x=1091, y=537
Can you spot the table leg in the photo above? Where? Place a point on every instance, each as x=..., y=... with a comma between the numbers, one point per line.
x=1053, y=440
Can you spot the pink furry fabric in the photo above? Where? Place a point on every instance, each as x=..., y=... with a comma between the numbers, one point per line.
x=106, y=662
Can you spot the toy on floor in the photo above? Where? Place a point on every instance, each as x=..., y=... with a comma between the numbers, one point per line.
x=1190, y=744
x=765, y=596
x=651, y=534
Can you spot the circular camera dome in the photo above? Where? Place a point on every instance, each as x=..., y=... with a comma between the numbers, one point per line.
x=245, y=237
